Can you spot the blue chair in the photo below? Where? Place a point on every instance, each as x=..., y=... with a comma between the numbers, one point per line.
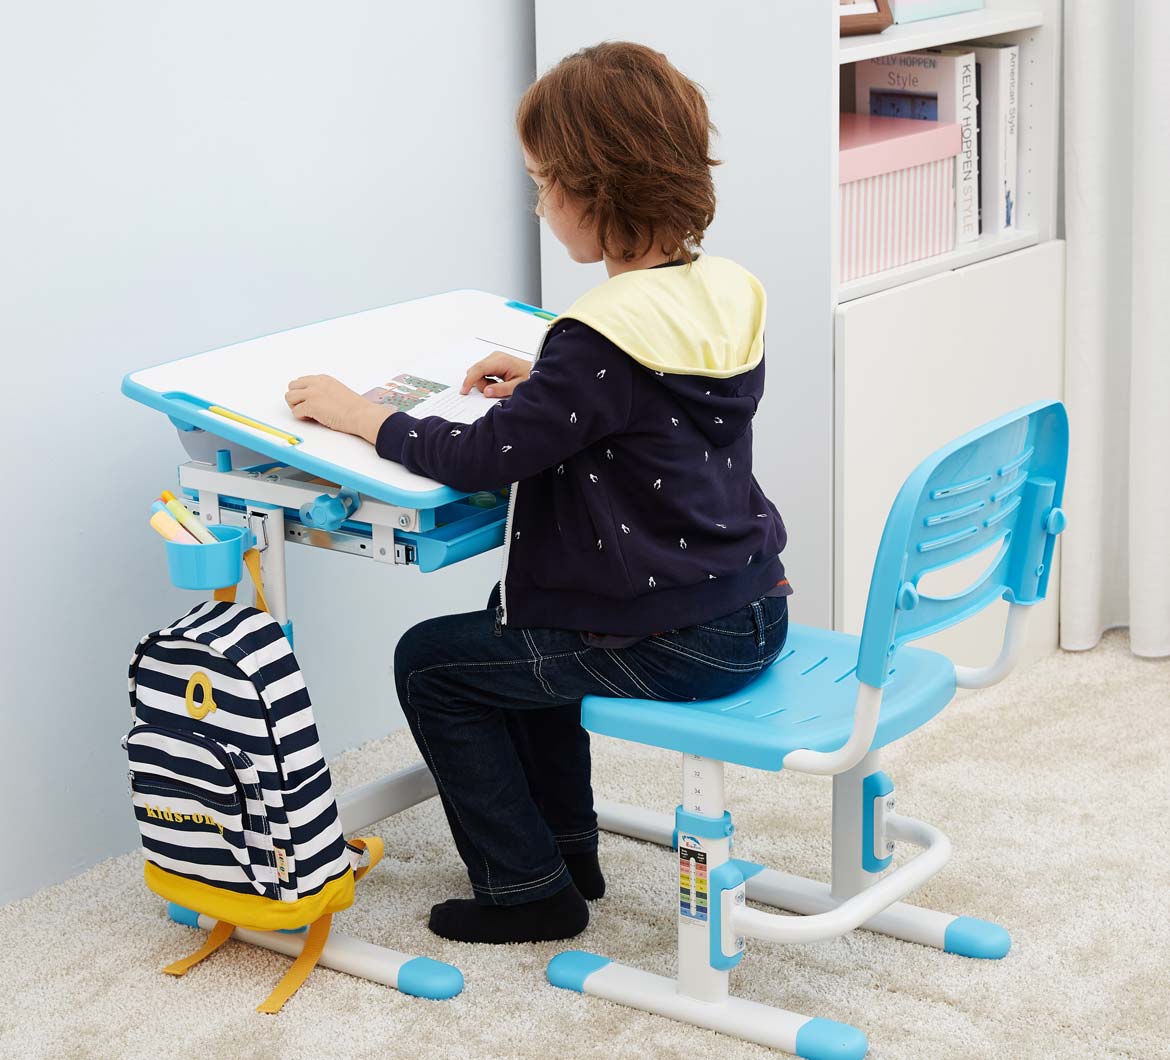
x=827, y=705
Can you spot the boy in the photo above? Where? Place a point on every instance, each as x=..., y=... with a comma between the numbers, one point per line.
x=641, y=557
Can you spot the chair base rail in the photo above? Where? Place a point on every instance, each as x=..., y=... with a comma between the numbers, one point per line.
x=844, y=916
x=776, y=1028
x=961, y=935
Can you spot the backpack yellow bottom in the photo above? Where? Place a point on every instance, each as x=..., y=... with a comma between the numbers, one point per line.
x=250, y=910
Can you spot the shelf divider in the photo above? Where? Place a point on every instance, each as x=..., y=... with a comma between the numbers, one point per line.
x=934, y=32
x=964, y=254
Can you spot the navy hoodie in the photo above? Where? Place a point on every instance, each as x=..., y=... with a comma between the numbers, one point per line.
x=633, y=507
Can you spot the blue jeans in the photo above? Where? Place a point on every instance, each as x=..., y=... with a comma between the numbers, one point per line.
x=496, y=713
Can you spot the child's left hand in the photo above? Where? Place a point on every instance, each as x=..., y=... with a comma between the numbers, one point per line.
x=332, y=404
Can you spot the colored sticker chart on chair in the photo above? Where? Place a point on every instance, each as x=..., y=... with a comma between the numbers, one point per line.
x=692, y=882
x=237, y=392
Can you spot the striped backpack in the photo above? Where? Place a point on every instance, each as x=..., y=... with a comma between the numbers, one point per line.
x=231, y=792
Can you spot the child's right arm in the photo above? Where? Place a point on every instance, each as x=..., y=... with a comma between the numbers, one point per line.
x=579, y=391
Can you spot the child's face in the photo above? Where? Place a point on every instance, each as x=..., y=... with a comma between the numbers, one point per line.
x=563, y=216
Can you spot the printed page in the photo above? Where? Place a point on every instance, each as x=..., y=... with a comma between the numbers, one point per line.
x=429, y=384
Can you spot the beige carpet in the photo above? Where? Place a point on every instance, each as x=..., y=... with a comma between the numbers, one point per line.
x=1054, y=787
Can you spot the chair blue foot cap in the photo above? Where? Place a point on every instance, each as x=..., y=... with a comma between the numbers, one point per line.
x=969, y=937
x=570, y=969
x=180, y=914
x=423, y=977
x=829, y=1040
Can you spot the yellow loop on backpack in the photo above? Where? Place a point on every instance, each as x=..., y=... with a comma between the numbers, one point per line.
x=200, y=680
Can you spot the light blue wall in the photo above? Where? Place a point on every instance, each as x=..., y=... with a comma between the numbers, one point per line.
x=177, y=177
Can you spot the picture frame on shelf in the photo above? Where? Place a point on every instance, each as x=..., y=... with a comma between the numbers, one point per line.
x=864, y=16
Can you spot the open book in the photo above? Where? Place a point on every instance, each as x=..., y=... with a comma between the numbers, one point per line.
x=429, y=384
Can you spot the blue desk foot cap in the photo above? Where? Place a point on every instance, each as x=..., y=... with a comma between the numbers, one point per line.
x=423, y=977
x=180, y=914
x=570, y=969
x=829, y=1040
x=969, y=937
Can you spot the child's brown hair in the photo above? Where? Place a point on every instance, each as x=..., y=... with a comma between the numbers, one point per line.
x=625, y=134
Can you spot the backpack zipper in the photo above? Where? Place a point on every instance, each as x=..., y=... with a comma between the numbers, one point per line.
x=502, y=607
x=208, y=744
x=143, y=785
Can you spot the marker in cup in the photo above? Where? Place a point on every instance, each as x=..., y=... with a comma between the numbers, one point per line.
x=186, y=519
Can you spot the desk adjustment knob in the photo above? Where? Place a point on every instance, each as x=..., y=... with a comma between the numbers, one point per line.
x=328, y=513
x=1055, y=521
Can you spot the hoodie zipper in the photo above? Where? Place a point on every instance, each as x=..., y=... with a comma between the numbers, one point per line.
x=502, y=607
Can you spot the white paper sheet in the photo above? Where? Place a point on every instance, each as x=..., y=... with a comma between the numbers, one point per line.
x=428, y=384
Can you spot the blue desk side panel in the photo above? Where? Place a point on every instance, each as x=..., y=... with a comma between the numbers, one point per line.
x=290, y=455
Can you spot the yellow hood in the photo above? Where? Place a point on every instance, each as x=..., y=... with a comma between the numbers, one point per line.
x=704, y=319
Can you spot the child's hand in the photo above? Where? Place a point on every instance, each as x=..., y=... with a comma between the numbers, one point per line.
x=332, y=404
x=511, y=370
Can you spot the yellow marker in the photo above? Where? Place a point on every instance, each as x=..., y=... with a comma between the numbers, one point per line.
x=186, y=520
x=171, y=530
x=219, y=410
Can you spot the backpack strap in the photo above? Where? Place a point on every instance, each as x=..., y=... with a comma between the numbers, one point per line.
x=373, y=846
x=301, y=967
x=216, y=938
x=252, y=562
x=318, y=934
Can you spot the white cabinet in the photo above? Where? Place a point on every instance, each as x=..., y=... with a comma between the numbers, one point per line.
x=864, y=379
x=917, y=365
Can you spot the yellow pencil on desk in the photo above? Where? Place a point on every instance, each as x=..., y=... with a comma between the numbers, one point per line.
x=186, y=519
x=247, y=421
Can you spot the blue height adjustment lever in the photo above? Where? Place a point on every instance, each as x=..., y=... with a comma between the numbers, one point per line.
x=328, y=513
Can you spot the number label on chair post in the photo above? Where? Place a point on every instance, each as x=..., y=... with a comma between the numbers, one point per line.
x=692, y=879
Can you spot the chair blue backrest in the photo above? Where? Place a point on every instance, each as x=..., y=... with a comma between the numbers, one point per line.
x=996, y=490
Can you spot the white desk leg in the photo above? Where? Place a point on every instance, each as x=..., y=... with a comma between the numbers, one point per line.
x=420, y=976
x=636, y=821
x=379, y=799
x=358, y=809
x=268, y=526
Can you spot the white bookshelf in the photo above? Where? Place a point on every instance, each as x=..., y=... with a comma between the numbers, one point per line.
x=964, y=254
x=936, y=32
x=1036, y=30
x=772, y=73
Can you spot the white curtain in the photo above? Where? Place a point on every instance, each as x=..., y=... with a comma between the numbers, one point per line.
x=1116, y=552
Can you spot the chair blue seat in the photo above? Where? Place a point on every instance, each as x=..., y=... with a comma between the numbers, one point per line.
x=806, y=698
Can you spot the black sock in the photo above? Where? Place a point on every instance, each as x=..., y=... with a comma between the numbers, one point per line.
x=586, y=873
x=559, y=916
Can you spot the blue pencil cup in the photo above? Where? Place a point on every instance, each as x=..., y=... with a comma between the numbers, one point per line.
x=209, y=566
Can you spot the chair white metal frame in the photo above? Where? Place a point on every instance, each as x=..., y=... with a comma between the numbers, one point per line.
x=827, y=706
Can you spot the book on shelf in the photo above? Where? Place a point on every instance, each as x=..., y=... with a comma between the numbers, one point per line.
x=932, y=85
x=997, y=69
x=979, y=142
